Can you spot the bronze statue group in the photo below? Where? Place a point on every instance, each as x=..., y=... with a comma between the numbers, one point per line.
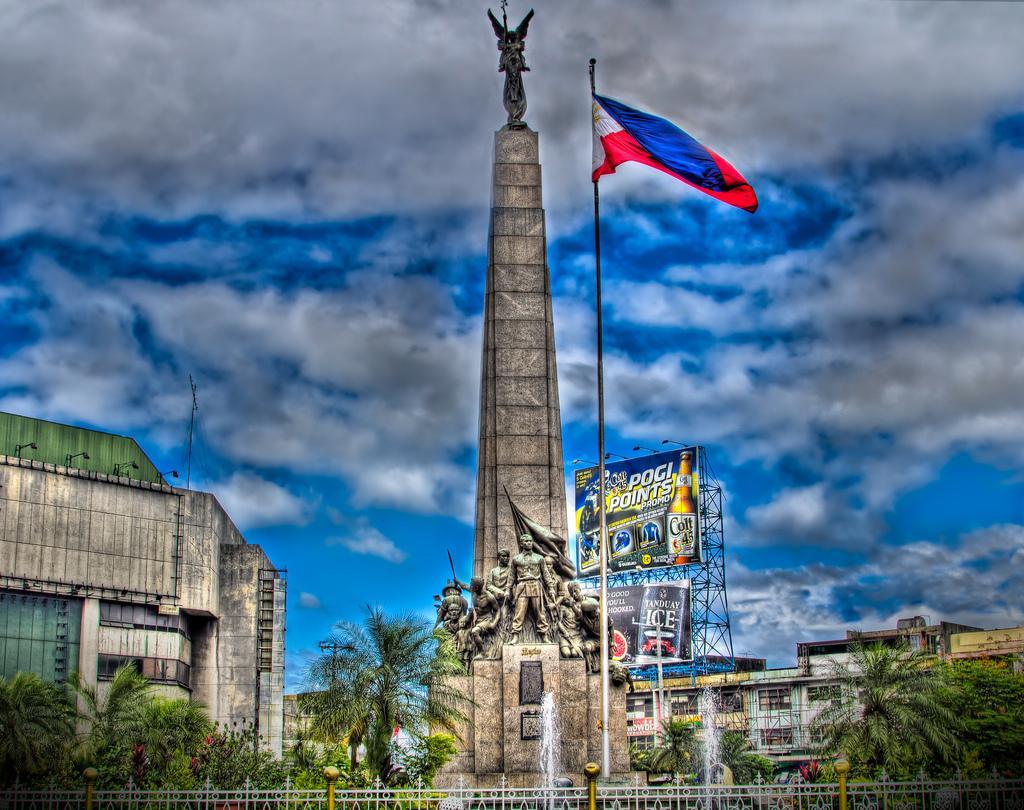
x=521, y=596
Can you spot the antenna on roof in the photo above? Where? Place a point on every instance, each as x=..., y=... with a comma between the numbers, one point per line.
x=191, y=428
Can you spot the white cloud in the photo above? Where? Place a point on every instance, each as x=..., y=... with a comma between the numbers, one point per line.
x=375, y=382
x=152, y=109
x=801, y=513
x=309, y=600
x=252, y=502
x=973, y=580
x=366, y=539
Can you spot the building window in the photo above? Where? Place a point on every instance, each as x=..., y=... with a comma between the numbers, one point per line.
x=774, y=699
x=141, y=617
x=823, y=694
x=827, y=649
x=731, y=700
x=639, y=706
x=774, y=737
x=163, y=670
x=39, y=634
x=684, y=704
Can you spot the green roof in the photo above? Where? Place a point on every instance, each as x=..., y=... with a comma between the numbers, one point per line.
x=65, y=444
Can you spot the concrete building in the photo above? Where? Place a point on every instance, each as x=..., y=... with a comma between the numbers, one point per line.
x=776, y=708
x=103, y=562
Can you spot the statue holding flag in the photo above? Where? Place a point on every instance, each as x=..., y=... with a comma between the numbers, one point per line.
x=512, y=44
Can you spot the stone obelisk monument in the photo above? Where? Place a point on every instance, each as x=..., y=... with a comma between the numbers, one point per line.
x=531, y=635
x=520, y=426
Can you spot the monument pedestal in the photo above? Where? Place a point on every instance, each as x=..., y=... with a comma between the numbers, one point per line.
x=502, y=732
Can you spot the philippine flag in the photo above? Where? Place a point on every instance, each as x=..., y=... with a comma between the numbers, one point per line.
x=622, y=134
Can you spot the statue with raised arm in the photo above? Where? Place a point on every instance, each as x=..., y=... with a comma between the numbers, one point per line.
x=512, y=43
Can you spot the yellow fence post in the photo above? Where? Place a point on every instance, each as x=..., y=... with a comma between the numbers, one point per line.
x=592, y=769
x=90, y=775
x=842, y=769
x=331, y=774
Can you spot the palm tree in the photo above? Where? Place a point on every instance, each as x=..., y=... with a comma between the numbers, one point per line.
x=891, y=714
x=734, y=751
x=173, y=726
x=391, y=671
x=676, y=754
x=35, y=721
x=120, y=716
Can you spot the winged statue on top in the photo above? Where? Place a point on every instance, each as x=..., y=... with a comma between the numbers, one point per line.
x=512, y=44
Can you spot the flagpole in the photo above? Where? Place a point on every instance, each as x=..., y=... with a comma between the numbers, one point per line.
x=603, y=538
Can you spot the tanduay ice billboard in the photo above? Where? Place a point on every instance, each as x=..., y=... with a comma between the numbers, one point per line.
x=651, y=511
x=651, y=623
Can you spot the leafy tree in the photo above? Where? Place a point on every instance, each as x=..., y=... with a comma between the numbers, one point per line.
x=36, y=721
x=428, y=755
x=988, y=698
x=893, y=712
x=677, y=752
x=227, y=759
x=391, y=671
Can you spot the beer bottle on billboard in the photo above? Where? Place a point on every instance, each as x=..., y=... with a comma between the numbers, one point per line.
x=682, y=512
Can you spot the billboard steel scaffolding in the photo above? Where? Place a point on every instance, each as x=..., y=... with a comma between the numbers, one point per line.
x=711, y=631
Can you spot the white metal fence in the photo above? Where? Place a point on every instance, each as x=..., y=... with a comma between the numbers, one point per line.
x=923, y=794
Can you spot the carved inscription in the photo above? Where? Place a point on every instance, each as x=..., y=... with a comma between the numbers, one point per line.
x=529, y=726
x=531, y=683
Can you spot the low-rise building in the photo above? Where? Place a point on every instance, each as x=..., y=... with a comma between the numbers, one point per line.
x=103, y=562
x=776, y=708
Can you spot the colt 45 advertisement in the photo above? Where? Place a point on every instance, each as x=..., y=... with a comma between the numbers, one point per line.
x=651, y=512
x=649, y=619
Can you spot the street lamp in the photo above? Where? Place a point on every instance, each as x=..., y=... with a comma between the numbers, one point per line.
x=648, y=449
x=577, y=461
x=19, y=447
x=673, y=441
x=609, y=455
x=123, y=467
x=172, y=473
x=72, y=456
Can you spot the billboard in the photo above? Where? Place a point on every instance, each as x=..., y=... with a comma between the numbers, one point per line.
x=649, y=618
x=651, y=512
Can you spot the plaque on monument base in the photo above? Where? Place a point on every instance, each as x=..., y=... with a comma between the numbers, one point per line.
x=502, y=732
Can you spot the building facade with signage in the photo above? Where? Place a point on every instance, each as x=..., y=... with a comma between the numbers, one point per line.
x=776, y=708
x=104, y=563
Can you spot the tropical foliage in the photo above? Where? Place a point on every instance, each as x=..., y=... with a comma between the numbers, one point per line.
x=390, y=672
x=734, y=751
x=987, y=698
x=128, y=733
x=893, y=714
x=35, y=719
x=228, y=759
x=427, y=756
x=677, y=753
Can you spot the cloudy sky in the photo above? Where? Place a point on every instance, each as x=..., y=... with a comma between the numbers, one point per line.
x=288, y=201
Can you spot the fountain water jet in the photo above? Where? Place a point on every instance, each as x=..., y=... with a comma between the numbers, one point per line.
x=712, y=733
x=550, y=742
